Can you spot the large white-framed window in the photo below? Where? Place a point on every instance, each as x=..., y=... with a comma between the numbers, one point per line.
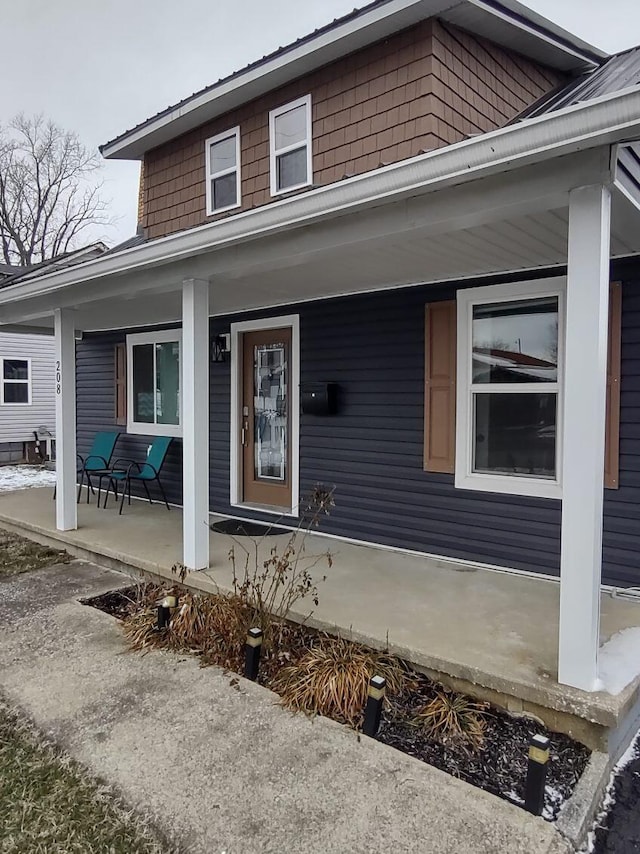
x=290, y=154
x=510, y=364
x=16, y=382
x=222, y=157
x=153, y=383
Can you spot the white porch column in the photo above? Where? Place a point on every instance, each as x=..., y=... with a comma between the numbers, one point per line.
x=65, y=380
x=585, y=384
x=195, y=423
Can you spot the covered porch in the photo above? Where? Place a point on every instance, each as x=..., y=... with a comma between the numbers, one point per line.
x=544, y=194
x=493, y=634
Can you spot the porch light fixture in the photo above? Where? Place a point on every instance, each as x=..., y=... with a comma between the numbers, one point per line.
x=536, y=774
x=373, y=710
x=220, y=347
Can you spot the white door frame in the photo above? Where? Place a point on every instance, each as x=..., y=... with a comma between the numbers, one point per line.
x=235, y=468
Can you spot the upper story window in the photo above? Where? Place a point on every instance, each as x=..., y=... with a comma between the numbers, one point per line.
x=290, y=146
x=510, y=388
x=16, y=381
x=222, y=154
x=153, y=383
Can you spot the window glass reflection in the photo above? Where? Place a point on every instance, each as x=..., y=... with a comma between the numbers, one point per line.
x=516, y=342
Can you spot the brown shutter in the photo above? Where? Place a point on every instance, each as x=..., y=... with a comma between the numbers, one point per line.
x=612, y=429
x=440, y=387
x=121, y=383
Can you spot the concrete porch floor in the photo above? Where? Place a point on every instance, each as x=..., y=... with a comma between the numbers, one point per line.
x=490, y=633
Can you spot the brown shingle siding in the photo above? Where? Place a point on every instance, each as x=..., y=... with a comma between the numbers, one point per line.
x=428, y=86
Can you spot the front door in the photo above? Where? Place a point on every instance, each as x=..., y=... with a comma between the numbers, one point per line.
x=266, y=417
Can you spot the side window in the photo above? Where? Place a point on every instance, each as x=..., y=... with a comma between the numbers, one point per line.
x=290, y=146
x=222, y=156
x=16, y=381
x=153, y=383
x=499, y=355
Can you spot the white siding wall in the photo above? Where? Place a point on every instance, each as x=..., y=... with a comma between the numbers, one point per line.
x=17, y=422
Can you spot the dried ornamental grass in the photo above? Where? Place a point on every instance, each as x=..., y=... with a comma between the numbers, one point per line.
x=332, y=679
x=455, y=719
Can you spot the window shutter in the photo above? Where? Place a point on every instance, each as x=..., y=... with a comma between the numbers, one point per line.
x=612, y=429
x=120, y=391
x=440, y=387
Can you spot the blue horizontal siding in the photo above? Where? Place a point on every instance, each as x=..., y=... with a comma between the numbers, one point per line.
x=372, y=450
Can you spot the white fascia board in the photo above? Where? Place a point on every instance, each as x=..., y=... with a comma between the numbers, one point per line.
x=542, y=28
x=601, y=122
x=336, y=42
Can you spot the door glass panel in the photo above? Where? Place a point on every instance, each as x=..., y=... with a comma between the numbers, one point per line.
x=270, y=411
x=143, y=383
x=516, y=342
x=168, y=382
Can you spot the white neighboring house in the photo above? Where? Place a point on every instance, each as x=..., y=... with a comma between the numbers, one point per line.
x=27, y=373
x=27, y=398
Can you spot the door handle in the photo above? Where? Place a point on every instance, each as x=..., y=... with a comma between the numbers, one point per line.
x=244, y=433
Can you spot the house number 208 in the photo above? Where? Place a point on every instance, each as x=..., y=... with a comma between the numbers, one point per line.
x=58, y=378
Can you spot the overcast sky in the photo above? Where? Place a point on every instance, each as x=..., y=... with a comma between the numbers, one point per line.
x=101, y=66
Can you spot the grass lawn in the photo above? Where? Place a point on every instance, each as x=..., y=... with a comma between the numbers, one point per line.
x=18, y=554
x=49, y=806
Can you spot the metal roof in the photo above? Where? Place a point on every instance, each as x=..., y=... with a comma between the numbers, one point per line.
x=507, y=22
x=615, y=74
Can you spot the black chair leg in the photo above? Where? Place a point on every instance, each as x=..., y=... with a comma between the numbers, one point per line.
x=80, y=486
x=124, y=493
x=163, y=495
x=146, y=489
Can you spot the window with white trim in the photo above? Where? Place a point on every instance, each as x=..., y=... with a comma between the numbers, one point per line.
x=508, y=436
x=222, y=156
x=290, y=146
x=153, y=383
x=16, y=381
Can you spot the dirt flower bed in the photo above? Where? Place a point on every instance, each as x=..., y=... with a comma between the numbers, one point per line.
x=17, y=554
x=320, y=674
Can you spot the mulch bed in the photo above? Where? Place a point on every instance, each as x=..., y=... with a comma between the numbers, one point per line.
x=500, y=767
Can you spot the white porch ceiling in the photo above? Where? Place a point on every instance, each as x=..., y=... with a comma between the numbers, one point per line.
x=505, y=223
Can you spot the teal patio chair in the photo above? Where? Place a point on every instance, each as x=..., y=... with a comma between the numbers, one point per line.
x=147, y=472
x=97, y=461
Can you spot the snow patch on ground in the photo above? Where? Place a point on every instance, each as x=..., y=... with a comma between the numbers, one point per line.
x=22, y=477
x=619, y=660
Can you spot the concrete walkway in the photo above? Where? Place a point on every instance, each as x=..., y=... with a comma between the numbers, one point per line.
x=213, y=760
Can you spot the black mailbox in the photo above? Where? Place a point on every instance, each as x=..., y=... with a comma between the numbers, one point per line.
x=319, y=398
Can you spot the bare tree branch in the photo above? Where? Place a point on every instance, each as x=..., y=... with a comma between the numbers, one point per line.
x=49, y=193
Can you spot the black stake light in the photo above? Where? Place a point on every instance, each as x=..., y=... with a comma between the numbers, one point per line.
x=536, y=774
x=164, y=611
x=252, y=654
x=163, y=616
x=373, y=709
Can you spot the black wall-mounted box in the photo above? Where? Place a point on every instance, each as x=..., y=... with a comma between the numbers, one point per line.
x=319, y=398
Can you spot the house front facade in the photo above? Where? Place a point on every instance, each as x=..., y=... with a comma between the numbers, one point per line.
x=398, y=258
